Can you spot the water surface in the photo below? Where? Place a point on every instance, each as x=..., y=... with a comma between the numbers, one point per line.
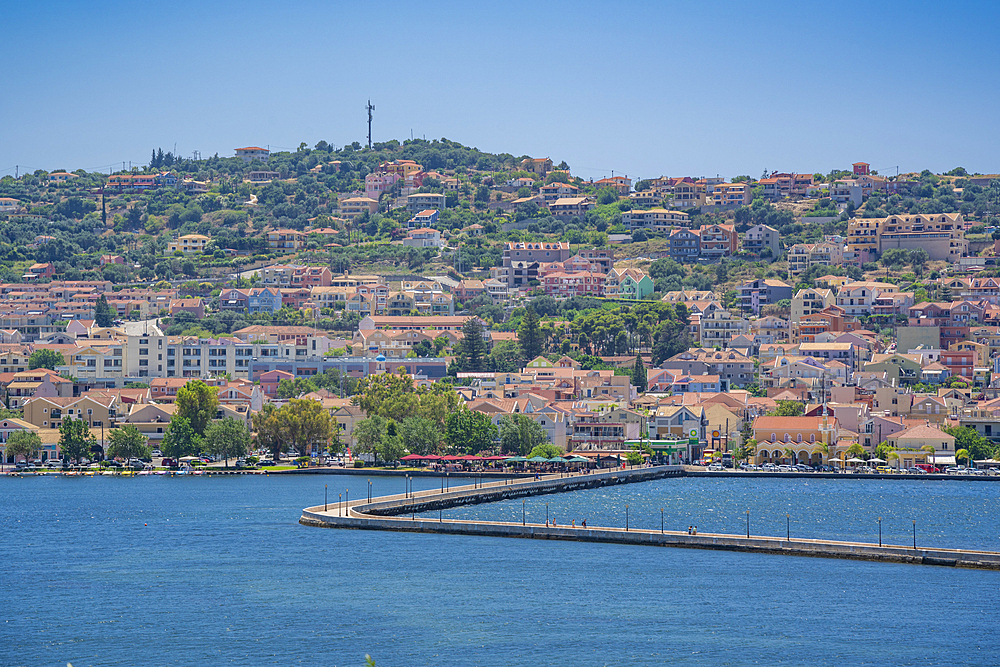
x=217, y=571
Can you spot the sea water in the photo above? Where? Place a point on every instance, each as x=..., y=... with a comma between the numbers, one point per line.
x=217, y=571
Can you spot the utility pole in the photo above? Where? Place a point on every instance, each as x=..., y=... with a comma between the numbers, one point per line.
x=371, y=107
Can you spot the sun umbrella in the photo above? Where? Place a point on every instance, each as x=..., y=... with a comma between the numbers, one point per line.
x=876, y=460
x=578, y=459
x=538, y=459
x=855, y=460
x=412, y=457
x=516, y=459
x=558, y=459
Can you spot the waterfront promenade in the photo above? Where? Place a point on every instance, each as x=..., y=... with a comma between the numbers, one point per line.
x=398, y=513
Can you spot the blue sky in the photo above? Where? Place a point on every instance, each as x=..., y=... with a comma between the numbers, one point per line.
x=641, y=88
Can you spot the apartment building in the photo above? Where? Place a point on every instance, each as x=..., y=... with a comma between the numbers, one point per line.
x=760, y=238
x=730, y=194
x=520, y=260
x=353, y=207
x=718, y=241
x=656, y=219
x=425, y=200
x=189, y=243
x=803, y=256
x=585, y=283
x=942, y=235
x=571, y=207
x=286, y=240
x=684, y=245
x=628, y=283
x=555, y=191
x=762, y=292
x=811, y=300
x=252, y=153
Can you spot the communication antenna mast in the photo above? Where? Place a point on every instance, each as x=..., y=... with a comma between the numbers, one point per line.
x=371, y=107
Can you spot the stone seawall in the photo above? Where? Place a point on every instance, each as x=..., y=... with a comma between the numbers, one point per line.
x=397, y=513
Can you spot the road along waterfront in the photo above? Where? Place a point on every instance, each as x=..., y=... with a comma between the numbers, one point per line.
x=389, y=513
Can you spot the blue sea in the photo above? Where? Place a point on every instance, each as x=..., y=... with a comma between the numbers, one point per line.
x=217, y=571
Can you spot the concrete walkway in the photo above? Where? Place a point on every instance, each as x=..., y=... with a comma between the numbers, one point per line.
x=398, y=513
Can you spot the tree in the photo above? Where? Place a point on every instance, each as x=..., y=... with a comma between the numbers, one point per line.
x=75, y=439
x=23, y=443
x=127, y=443
x=103, y=315
x=228, y=438
x=519, y=434
x=180, y=438
x=304, y=425
x=267, y=429
x=639, y=375
x=855, y=450
x=529, y=334
x=930, y=453
x=43, y=358
x=197, y=402
x=963, y=455
x=420, y=435
x=295, y=387
x=506, y=357
x=369, y=433
x=787, y=409
x=547, y=450
x=472, y=355
x=966, y=438
x=469, y=432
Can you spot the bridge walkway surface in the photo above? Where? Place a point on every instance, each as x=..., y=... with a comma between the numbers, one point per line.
x=398, y=513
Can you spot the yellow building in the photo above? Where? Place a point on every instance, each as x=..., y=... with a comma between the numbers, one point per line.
x=811, y=440
x=190, y=243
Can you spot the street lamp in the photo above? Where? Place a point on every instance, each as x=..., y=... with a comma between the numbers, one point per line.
x=324, y=496
x=880, y=531
x=626, y=518
x=748, y=524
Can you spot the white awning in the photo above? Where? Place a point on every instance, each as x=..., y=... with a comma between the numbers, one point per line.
x=943, y=460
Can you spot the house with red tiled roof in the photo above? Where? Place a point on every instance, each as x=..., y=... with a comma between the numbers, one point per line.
x=195, y=306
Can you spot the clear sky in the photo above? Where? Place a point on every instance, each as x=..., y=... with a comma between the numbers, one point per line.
x=641, y=88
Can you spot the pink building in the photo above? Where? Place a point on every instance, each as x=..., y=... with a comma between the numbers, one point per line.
x=574, y=284
x=377, y=184
x=270, y=380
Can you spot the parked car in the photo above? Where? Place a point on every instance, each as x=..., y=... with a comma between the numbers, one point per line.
x=157, y=453
x=716, y=467
x=884, y=470
x=802, y=467
x=769, y=467
x=267, y=462
x=958, y=470
x=916, y=471
x=784, y=467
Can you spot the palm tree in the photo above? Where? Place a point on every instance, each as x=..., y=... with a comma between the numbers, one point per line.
x=893, y=456
x=930, y=451
x=825, y=450
x=964, y=454
x=790, y=453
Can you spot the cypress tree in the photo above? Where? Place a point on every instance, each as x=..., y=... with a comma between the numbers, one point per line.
x=529, y=335
x=473, y=346
x=639, y=375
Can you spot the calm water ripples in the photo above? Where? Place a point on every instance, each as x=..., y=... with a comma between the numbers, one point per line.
x=217, y=571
